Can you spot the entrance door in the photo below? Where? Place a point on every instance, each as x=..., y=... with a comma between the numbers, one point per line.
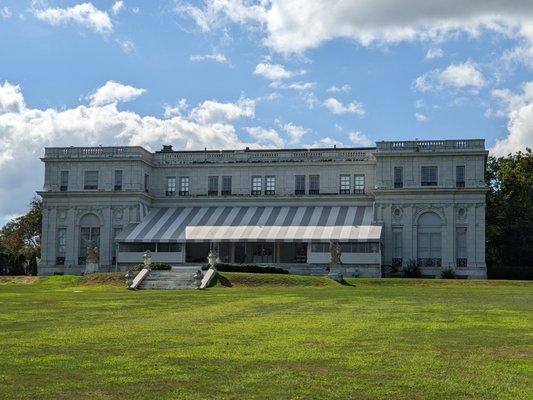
x=240, y=253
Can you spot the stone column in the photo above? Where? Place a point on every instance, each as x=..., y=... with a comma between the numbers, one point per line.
x=448, y=237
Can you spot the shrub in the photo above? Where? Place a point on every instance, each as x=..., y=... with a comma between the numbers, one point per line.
x=160, y=267
x=412, y=269
x=258, y=269
x=511, y=272
x=448, y=273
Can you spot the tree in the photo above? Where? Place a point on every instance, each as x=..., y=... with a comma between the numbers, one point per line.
x=20, y=241
x=509, y=217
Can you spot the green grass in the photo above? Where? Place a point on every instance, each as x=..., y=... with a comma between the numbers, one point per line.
x=267, y=337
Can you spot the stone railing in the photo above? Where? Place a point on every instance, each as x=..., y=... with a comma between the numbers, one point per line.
x=431, y=145
x=129, y=152
x=251, y=156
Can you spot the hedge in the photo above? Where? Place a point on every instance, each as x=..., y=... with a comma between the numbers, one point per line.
x=254, y=268
x=513, y=272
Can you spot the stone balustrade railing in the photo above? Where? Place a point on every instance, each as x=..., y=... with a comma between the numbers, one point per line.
x=431, y=145
x=97, y=152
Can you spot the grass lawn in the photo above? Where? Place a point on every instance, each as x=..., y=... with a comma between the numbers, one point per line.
x=267, y=337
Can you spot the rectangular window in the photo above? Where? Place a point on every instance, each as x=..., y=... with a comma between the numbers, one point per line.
x=397, y=243
x=226, y=185
x=428, y=176
x=357, y=247
x=299, y=184
x=344, y=184
x=136, y=247
x=359, y=187
x=398, y=177
x=171, y=186
x=270, y=185
x=257, y=185
x=169, y=247
x=118, y=179
x=146, y=182
x=61, y=246
x=63, y=185
x=460, y=176
x=460, y=247
x=212, y=185
x=184, y=185
x=314, y=184
x=91, y=180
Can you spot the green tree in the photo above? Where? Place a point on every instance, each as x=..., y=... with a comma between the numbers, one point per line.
x=509, y=217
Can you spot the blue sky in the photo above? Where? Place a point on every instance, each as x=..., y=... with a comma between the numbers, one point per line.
x=270, y=73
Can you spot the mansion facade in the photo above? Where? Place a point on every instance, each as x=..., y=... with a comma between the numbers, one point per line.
x=398, y=202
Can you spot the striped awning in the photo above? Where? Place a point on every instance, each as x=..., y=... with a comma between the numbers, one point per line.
x=246, y=224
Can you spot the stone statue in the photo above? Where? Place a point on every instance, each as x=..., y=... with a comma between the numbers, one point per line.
x=212, y=258
x=198, y=276
x=147, y=259
x=335, y=251
x=93, y=257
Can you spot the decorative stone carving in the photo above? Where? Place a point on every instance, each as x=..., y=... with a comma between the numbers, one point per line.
x=118, y=214
x=147, y=259
x=335, y=251
x=397, y=213
x=462, y=213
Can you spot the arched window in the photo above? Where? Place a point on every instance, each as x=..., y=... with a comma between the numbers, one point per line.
x=89, y=230
x=429, y=239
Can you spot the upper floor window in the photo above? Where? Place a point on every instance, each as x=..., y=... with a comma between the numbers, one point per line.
x=118, y=179
x=299, y=184
x=460, y=176
x=344, y=184
x=91, y=180
x=212, y=186
x=146, y=182
x=63, y=185
x=428, y=176
x=184, y=185
x=359, y=187
x=171, y=186
x=398, y=177
x=270, y=185
x=226, y=185
x=257, y=184
x=314, y=184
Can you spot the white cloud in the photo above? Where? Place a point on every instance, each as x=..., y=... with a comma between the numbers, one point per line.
x=5, y=12
x=272, y=72
x=458, y=76
x=127, y=46
x=295, y=132
x=294, y=26
x=265, y=137
x=117, y=7
x=178, y=109
x=84, y=14
x=434, y=53
x=522, y=54
x=421, y=117
x=359, y=139
x=519, y=108
x=334, y=89
x=337, y=108
x=114, y=92
x=211, y=111
x=24, y=131
x=325, y=142
x=217, y=57
x=298, y=86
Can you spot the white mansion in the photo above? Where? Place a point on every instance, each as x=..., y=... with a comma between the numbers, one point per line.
x=399, y=201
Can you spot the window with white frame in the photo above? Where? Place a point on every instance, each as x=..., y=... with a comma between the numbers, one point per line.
x=61, y=245
x=344, y=184
x=63, y=185
x=460, y=176
x=212, y=186
x=314, y=184
x=118, y=180
x=90, y=180
x=257, y=185
x=226, y=185
x=359, y=187
x=398, y=177
x=184, y=186
x=171, y=186
x=270, y=185
x=428, y=176
x=460, y=247
x=299, y=184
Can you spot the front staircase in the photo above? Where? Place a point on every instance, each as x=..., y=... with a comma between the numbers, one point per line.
x=176, y=278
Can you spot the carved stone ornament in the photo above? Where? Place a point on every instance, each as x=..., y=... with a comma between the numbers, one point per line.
x=397, y=212
x=335, y=251
x=462, y=212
